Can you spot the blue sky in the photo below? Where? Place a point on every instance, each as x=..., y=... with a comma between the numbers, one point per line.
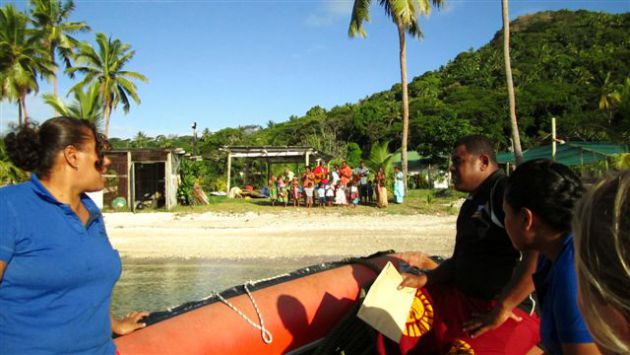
x=225, y=63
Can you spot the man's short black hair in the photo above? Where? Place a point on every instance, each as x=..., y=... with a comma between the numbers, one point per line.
x=478, y=144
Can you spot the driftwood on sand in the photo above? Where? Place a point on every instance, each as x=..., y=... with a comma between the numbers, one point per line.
x=199, y=196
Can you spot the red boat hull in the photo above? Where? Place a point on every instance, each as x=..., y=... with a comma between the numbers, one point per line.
x=298, y=312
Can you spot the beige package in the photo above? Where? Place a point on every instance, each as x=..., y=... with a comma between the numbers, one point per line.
x=386, y=307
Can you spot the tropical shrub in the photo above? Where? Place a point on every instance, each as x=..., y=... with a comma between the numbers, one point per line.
x=9, y=173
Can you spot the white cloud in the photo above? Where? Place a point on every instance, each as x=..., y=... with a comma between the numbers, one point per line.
x=330, y=12
x=319, y=20
x=340, y=7
x=448, y=8
x=445, y=10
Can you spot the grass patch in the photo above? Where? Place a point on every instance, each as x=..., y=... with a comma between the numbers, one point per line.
x=422, y=201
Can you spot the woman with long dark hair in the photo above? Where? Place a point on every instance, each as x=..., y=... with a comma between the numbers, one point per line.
x=540, y=198
x=57, y=266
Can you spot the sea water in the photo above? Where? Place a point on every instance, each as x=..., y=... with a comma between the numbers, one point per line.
x=158, y=284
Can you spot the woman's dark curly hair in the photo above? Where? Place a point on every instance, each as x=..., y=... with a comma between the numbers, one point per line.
x=34, y=148
x=549, y=189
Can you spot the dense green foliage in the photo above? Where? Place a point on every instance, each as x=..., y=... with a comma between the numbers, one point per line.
x=9, y=173
x=22, y=59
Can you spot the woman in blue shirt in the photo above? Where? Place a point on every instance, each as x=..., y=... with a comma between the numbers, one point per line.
x=57, y=267
x=539, y=200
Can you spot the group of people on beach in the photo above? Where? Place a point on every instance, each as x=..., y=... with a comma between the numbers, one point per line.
x=536, y=230
x=339, y=186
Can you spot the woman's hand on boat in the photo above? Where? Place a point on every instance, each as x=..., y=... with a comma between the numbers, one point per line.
x=481, y=323
x=413, y=281
x=129, y=323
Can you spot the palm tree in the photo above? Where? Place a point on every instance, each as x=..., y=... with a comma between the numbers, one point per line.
x=404, y=14
x=516, y=138
x=141, y=140
x=609, y=96
x=380, y=157
x=106, y=69
x=23, y=59
x=50, y=17
x=87, y=105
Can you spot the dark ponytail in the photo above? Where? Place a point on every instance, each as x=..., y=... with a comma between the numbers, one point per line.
x=34, y=149
x=23, y=147
x=549, y=189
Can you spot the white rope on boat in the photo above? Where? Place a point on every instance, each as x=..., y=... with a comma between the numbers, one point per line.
x=254, y=283
x=266, y=334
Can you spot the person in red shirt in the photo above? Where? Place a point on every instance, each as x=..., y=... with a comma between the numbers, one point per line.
x=345, y=172
x=320, y=173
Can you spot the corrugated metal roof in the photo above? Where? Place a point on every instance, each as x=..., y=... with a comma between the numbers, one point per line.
x=570, y=153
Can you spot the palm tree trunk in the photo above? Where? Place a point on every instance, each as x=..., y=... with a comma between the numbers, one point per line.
x=55, y=83
x=405, y=101
x=107, y=109
x=20, y=112
x=518, y=152
x=106, y=113
x=52, y=59
x=23, y=109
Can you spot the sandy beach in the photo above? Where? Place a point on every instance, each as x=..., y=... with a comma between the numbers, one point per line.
x=286, y=234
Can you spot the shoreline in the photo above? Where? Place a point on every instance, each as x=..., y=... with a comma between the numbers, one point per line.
x=289, y=235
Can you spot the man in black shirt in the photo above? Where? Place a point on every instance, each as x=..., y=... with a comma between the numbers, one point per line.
x=472, y=296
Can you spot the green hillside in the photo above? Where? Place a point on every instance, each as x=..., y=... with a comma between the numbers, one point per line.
x=574, y=66
x=564, y=64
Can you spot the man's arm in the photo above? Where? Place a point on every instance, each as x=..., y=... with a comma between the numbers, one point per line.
x=442, y=274
x=580, y=349
x=521, y=285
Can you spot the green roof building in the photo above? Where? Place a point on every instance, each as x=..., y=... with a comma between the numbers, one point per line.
x=570, y=153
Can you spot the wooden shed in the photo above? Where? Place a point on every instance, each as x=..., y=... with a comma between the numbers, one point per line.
x=144, y=178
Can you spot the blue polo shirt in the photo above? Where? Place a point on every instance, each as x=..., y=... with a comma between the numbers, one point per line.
x=56, y=290
x=556, y=288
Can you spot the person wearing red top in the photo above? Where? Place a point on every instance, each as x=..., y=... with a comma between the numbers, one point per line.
x=308, y=176
x=345, y=172
x=320, y=172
